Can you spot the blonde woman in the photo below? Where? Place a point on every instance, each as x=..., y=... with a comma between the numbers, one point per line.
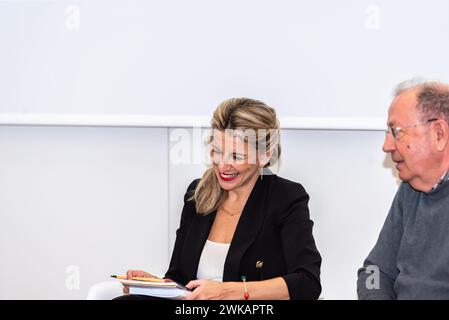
x=241, y=221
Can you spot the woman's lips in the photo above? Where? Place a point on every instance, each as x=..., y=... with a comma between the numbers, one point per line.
x=228, y=176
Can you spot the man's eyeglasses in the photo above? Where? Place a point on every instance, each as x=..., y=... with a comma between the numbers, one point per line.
x=396, y=130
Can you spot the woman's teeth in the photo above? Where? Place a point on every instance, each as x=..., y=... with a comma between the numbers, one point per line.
x=228, y=176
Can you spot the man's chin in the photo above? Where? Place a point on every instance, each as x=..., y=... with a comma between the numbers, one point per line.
x=404, y=176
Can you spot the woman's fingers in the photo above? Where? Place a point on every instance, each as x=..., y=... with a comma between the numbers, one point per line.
x=125, y=289
x=130, y=274
x=193, y=284
x=138, y=274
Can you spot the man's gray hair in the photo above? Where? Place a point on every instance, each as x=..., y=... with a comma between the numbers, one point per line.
x=432, y=97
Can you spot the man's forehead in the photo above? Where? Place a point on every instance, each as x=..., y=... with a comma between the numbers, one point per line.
x=403, y=109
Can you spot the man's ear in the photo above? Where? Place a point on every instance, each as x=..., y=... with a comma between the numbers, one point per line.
x=441, y=134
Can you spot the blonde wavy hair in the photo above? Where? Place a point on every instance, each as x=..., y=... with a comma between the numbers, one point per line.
x=243, y=115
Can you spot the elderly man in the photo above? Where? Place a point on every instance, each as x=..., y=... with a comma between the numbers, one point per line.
x=411, y=257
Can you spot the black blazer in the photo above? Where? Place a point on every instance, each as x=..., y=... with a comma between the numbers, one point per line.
x=274, y=229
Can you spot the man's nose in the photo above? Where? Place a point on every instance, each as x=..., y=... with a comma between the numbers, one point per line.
x=389, y=143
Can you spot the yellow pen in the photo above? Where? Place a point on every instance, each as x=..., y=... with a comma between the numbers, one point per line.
x=140, y=279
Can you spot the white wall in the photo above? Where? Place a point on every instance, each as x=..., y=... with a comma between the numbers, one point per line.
x=94, y=198
x=130, y=57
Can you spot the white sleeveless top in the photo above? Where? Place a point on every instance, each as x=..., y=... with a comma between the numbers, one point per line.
x=212, y=261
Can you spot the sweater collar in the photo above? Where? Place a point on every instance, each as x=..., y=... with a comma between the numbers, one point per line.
x=443, y=179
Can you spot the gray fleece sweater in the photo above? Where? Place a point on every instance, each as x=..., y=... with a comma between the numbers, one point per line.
x=412, y=252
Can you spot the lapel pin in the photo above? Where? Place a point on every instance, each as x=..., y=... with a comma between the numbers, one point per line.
x=259, y=264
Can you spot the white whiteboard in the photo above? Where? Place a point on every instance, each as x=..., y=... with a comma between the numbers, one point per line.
x=141, y=62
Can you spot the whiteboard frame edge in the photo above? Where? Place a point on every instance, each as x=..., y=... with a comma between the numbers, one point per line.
x=93, y=120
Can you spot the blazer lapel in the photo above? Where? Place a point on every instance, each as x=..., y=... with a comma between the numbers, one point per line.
x=248, y=227
x=194, y=243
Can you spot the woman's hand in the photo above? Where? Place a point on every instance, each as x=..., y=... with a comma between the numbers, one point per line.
x=209, y=290
x=136, y=274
